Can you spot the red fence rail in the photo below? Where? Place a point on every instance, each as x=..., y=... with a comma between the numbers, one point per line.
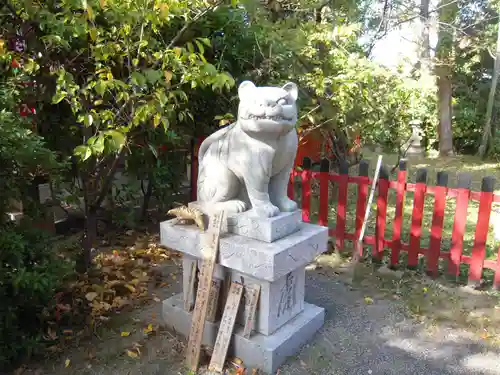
x=378, y=242
x=454, y=257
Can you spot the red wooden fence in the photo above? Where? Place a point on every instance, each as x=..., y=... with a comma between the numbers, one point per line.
x=420, y=189
x=462, y=193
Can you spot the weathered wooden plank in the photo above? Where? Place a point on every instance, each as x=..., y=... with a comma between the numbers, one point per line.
x=226, y=328
x=210, y=248
x=251, y=301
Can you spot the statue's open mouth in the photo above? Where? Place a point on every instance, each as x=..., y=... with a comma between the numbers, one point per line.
x=273, y=118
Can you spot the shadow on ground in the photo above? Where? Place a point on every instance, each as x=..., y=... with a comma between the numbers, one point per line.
x=361, y=336
x=378, y=338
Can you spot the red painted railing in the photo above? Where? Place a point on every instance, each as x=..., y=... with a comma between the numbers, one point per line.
x=420, y=190
x=378, y=242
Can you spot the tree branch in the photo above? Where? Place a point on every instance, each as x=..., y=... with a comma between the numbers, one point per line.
x=187, y=25
x=315, y=127
x=109, y=177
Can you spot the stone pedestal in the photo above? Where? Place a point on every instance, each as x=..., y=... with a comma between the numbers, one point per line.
x=270, y=252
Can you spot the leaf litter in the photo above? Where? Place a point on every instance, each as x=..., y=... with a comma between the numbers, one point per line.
x=120, y=279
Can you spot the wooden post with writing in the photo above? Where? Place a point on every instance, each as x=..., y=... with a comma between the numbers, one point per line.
x=210, y=247
x=252, y=299
x=226, y=328
x=213, y=299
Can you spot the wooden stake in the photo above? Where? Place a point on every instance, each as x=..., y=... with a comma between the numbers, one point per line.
x=359, y=244
x=210, y=248
x=252, y=293
x=226, y=328
x=188, y=302
x=213, y=299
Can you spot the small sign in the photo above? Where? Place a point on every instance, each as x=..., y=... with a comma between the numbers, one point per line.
x=226, y=328
x=252, y=293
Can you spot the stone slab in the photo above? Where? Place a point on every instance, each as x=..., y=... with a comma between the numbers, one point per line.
x=279, y=301
x=261, y=260
x=262, y=229
x=266, y=353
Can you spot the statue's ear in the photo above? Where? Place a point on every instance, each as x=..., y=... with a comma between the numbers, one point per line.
x=292, y=90
x=245, y=88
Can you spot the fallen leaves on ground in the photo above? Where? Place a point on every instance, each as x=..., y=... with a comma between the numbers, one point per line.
x=120, y=278
x=134, y=351
x=148, y=329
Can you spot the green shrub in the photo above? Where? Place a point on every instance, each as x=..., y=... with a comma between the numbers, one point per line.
x=30, y=274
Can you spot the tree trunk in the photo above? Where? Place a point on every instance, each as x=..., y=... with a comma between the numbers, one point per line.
x=445, y=111
x=147, y=197
x=89, y=237
x=443, y=69
x=487, y=137
x=425, y=55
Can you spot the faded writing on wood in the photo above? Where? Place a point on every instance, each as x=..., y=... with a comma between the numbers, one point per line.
x=252, y=293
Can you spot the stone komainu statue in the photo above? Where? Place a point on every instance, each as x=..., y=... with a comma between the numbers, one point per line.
x=247, y=165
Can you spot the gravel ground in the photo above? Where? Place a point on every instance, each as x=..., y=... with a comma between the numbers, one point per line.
x=377, y=338
x=357, y=338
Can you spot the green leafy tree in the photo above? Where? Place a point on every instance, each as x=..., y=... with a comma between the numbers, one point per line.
x=23, y=154
x=119, y=69
x=343, y=93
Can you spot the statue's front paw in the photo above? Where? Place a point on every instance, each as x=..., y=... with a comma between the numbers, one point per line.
x=265, y=210
x=287, y=205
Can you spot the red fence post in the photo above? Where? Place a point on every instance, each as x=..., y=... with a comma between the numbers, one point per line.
x=482, y=227
x=341, y=205
x=324, y=181
x=398, y=217
x=306, y=190
x=383, y=191
x=437, y=223
x=364, y=167
x=457, y=237
x=416, y=217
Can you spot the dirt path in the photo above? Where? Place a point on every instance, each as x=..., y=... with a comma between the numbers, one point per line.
x=366, y=331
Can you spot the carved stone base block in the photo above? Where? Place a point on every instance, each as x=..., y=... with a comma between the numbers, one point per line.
x=279, y=301
x=267, y=230
x=283, y=320
x=261, y=260
x=260, y=351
